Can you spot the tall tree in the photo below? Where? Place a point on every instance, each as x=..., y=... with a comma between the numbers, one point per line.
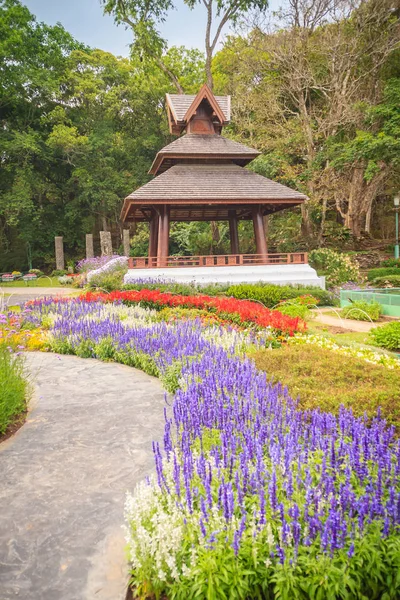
x=144, y=16
x=302, y=88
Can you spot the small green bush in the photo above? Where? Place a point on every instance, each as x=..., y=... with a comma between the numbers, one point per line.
x=387, y=336
x=391, y=262
x=58, y=273
x=108, y=281
x=389, y=281
x=360, y=310
x=338, y=268
x=13, y=387
x=270, y=295
x=382, y=272
x=294, y=310
x=65, y=280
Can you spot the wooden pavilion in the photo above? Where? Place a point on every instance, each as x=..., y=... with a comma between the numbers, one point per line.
x=201, y=176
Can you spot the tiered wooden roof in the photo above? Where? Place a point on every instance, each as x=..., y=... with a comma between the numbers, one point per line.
x=202, y=148
x=201, y=173
x=214, y=184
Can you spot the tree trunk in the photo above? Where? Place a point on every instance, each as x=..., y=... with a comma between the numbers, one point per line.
x=209, y=76
x=361, y=198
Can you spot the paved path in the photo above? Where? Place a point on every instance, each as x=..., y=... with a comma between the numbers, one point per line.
x=64, y=476
x=20, y=295
x=349, y=324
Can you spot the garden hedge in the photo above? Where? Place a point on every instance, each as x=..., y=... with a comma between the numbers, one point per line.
x=382, y=272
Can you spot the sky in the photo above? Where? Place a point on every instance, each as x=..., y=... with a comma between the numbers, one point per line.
x=84, y=20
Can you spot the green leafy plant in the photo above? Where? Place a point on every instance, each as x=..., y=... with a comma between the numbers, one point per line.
x=108, y=281
x=391, y=262
x=13, y=386
x=387, y=282
x=338, y=268
x=270, y=295
x=360, y=310
x=65, y=280
x=382, y=272
x=387, y=336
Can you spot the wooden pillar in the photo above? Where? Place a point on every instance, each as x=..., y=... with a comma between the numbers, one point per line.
x=105, y=243
x=259, y=231
x=153, y=241
x=89, y=246
x=163, y=236
x=59, y=247
x=126, y=242
x=233, y=231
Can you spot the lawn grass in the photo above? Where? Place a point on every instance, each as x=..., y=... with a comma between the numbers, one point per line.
x=13, y=388
x=325, y=379
x=41, y=282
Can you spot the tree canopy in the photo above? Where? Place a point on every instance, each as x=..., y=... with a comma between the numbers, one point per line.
x=318, y=95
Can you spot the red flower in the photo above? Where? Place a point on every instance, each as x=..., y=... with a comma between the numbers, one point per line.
x=246, y=311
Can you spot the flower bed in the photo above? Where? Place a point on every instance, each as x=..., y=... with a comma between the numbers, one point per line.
x=239, y=311
x=13, y=380
x=251, y=496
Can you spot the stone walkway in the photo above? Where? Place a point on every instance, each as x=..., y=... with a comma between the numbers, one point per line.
x=20, y=295
x=64, y=475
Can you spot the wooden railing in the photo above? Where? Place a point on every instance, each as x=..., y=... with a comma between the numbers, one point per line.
x=222, y=260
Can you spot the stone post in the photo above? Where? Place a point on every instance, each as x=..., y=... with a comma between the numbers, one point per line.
x=105, y=243
x=126, y=242
x=59, y=247
x=89, y=246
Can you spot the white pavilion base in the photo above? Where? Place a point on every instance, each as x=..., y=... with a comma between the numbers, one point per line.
x=301, y=274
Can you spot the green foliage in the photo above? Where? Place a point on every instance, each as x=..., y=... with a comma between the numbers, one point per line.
x=391, y=262
x=382, y=272
x=325, y=379
x=171, y=375
x=108, y=281
x=387, y=282
x=65, y=280
x=13, y=387
x=186, y=289
x=270, y=295
x=294, y=310
x=337, y=268
x=298, y=307
x=386, y=336
x=360, y=310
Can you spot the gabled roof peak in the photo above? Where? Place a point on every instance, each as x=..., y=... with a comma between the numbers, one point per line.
x=182, y=109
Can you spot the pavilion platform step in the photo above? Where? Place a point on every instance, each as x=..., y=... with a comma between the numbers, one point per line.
x=301, y=274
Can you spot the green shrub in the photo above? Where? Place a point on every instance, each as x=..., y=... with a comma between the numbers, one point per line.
x=391, y=262
x=13, y=387
x=325, y=379
x=294, y=310
x=108, y=281
x=270, y=295
x=186, y=289
x=337, y=268
x=382, y=272
x=58, y=272
x=360, y=310
x=65, y=280
x=389, y=281
x=387, y=336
